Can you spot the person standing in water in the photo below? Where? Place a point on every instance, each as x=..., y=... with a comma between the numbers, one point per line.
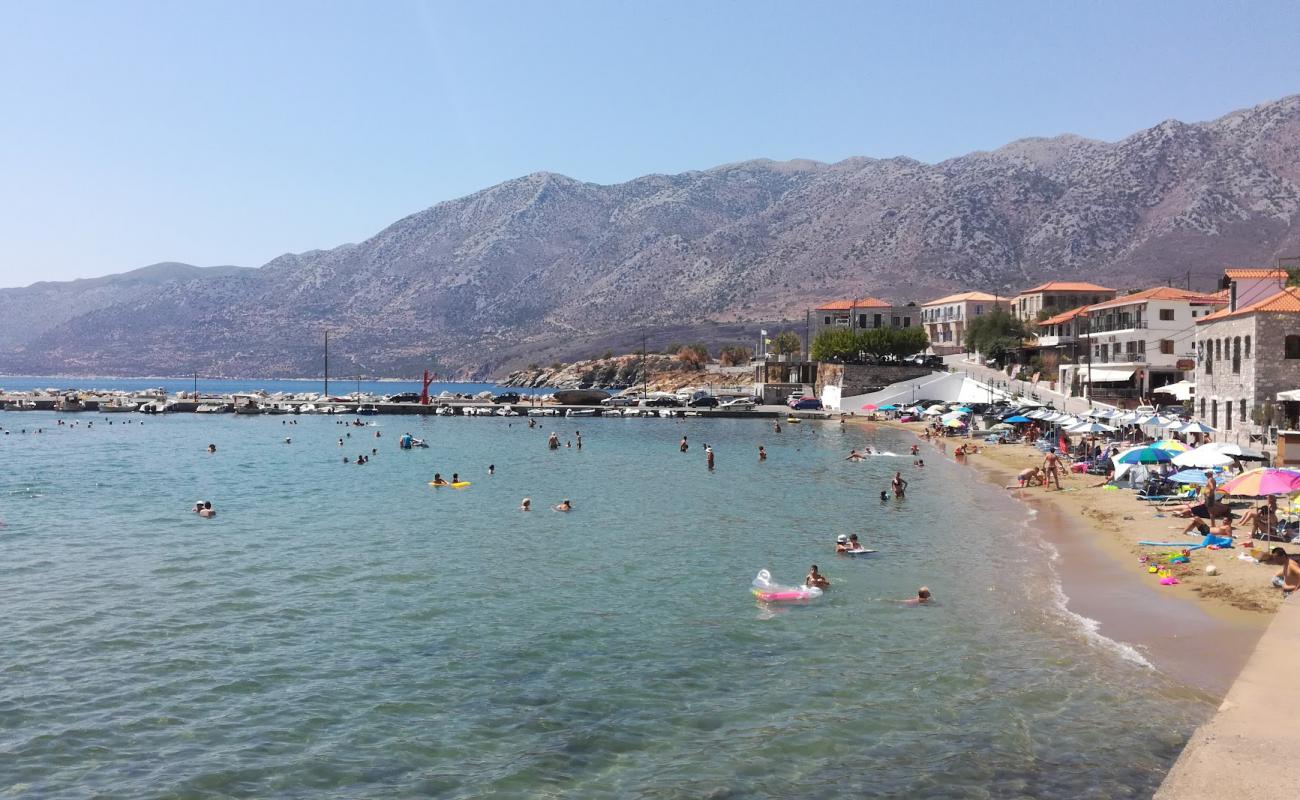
x=762, y=454
x=578, y=436
x=899, y=485
x=553, y=442
x=683, y=446
x=708, y=456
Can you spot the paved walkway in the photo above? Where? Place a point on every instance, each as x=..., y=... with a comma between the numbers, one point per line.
x=1249, y=748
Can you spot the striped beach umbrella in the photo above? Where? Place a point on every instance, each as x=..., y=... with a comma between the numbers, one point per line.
x=1144, y=455
x=1172, y=445
x=1264, y=481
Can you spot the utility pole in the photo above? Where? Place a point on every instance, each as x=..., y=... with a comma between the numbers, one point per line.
x=196, y=385
x=327, y=363
x=1087, y=355
x=645, y=375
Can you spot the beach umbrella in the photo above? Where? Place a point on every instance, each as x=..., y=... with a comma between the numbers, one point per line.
x=1172, y=445
x=1144, y=455
x=1189, y=476
x=888, y=407
x=1091, y=427
x=1017, y=420
x=869, y=406
x=1195, y=427
x=1104, y=413
x=1236, y=451
x=954, y=423
x=1068, y=421
x=933, y=411
x=1263, y=481
x=1174, y=424
x=963, y=409
x=1002, y=426
x=1128, y=418
x=1204, y=457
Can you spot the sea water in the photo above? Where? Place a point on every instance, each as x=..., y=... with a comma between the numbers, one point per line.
x=349, y=631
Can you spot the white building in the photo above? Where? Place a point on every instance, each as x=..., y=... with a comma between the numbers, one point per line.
x=946, y=319
x=1126, y=347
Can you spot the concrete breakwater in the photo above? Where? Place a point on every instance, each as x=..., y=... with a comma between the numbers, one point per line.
x=153, y=404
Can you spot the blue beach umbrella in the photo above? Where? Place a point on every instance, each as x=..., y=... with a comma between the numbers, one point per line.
x=1145, y=455
x=1017, y=420
x=888, y=407
x=964, y=409
x=1188, y=476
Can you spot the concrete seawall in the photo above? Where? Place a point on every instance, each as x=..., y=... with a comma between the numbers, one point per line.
x=1248, y=748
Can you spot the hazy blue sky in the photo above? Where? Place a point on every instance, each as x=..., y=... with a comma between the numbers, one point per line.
x=231, y=132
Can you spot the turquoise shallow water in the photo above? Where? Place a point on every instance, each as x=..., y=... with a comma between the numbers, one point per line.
x=348, y=631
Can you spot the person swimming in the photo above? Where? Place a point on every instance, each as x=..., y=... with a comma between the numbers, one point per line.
x=438, y=480
x=854, y=455
x=207, y=510
x=526, y=504
x=212, y=448
x=762, y=454
x=815, y=578
x=566, y=506
x=854, y=544
x=492, y=469
x=922, y=597
x=841, y=544
x=884, y=496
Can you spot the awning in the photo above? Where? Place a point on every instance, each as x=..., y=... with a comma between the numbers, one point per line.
x=1292, y=395
x=1106, y=374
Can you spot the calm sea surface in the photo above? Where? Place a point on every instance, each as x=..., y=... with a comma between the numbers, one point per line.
x=349, y=631
x=338, y=386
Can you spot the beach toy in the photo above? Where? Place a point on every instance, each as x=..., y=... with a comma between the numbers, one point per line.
x=1170, y=581
x=1211, y=570
x=1153, y=570
x=769, y=592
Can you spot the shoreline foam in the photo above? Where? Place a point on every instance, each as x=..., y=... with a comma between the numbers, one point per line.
x=1202, y=638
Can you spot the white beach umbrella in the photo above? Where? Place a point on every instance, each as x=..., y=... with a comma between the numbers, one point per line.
x=1195, y=427
x=1068, y=421
x=1128, y=418
x=1234, y=449
x=1174, y=423
x=1205, y=457
x=933, y=411
x=1091, y=427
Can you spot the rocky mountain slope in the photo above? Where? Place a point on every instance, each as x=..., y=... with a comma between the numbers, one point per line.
x=546, y=268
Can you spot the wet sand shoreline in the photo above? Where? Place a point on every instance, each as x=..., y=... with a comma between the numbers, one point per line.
x=1201, y=638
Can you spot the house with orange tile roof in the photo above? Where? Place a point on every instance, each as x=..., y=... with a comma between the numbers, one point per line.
x=1246, y=354
x=946, y=318
x=1055, y=297
x=1251, y=284
x=863, y=314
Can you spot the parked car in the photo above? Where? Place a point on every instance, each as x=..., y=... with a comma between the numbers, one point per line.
x=1173, y=411
x=708, y=401
x=805, y=403
x=404, y=397
x=1145, y=411
x=738, y=404
x=661, y=402
x=506, y=397
x=619, y=401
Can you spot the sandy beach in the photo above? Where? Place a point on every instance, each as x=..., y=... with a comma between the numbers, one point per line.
x=1201, y=629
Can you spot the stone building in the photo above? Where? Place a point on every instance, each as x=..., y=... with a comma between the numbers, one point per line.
x=1245, y=356
x=864, y=314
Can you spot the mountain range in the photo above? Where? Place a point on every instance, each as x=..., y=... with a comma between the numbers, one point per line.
x=545, y=267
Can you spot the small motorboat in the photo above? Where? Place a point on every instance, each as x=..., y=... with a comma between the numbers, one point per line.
x=368, y=409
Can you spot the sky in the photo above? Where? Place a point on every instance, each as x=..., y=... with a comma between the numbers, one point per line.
x=231, y=132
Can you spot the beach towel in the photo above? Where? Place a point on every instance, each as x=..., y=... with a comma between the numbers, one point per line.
x=1210, y=539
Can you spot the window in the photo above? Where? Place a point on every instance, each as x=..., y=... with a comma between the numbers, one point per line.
x=1166, y=347
x=1166, y=315
x=1142, y=346
x=1241, y=410
x=1214, y=413
x=877, y=321
x=826, y=321
x=907, y=322
x=1236, y=355
x=1291, y=346
x=1202, y=414
x=1209, y=362
x=862, y=320
x=1227, y=414
x=1247, y=347
x=1218, y=348
x=979, y=310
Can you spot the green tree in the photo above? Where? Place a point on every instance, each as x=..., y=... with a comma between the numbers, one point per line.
x=786, y=342
x=836, y=344
x=995, y=334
